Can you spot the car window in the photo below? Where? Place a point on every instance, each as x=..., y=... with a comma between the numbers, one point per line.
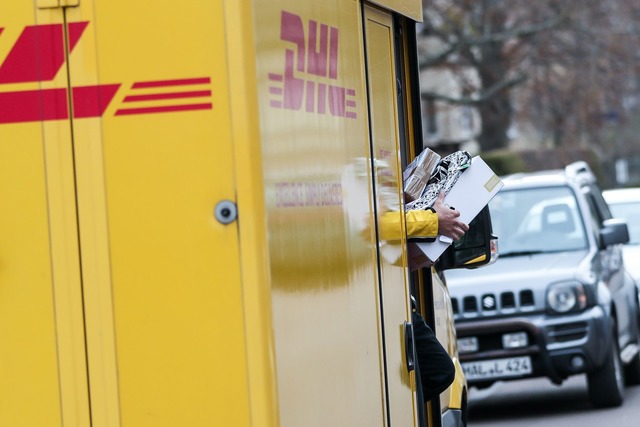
x=537, y=220
x=603, y=209
x=596, y=216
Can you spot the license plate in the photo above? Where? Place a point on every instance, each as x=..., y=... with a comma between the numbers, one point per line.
x=499, y=368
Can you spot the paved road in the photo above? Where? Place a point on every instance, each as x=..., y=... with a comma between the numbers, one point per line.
x=539, y=403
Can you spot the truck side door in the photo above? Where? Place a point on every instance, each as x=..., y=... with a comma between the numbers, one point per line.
x=157, y=197
x=42, y=352
x=385, y=148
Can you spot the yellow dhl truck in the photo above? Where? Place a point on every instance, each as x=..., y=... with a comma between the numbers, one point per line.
x=190, y=199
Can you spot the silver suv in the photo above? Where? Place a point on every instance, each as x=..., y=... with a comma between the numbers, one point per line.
x=558, y=301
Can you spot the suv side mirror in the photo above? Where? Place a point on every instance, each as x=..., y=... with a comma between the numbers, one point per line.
x=476, y=248
x=614, y=231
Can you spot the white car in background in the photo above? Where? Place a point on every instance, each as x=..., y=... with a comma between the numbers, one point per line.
x=625, y=203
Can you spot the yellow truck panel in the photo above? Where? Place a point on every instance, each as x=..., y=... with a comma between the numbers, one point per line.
x=385, y=131
x=155, y=166
x=314, y=123
x=191, y=195
x=411, y=9
x=42, y=352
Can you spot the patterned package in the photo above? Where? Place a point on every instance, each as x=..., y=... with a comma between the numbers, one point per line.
x=442, y=179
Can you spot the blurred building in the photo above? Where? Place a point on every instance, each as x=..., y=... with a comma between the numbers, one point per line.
x=446, y=126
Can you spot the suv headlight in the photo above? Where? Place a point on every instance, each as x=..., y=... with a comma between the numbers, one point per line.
x=566, y=297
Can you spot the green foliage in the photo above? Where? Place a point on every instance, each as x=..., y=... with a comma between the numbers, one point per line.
x=504, y=162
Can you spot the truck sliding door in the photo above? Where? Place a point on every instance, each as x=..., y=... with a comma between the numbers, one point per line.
x=158, y=226
x=43, y=379
x=385, y=141
x=333, y=366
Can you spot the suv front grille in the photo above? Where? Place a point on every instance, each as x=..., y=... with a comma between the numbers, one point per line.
x=508, y=300
x=489, y=304
x=470, y=304
x=526, y=298
x=567, y=332
x=454, y=306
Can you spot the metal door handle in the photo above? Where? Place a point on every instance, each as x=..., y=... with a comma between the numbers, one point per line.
x=409, y=347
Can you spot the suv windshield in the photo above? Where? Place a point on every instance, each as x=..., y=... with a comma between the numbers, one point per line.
x=537, y=220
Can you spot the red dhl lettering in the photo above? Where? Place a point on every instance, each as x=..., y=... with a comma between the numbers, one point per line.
x=51, y=104
x=315, y=55
x=38, y=55
x=163, y=95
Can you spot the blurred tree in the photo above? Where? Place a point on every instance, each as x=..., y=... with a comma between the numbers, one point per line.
x=574, y=64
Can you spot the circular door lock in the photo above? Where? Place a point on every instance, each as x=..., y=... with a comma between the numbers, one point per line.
x=226, y=211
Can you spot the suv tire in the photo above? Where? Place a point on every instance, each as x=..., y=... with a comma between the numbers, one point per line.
x=632, y=370
x=606, y=385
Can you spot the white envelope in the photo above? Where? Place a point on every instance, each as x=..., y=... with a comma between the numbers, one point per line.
x=473, y=191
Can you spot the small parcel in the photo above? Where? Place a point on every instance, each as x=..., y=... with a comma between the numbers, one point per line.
x=468, y=183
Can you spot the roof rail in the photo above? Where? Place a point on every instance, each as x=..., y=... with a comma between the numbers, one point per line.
x=579, y=169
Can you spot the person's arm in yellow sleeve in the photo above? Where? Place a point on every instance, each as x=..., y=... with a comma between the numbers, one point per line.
x=420, y=225
x=425, y=224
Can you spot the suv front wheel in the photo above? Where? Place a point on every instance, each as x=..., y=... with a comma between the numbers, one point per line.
x=606, y=385
x=632, y=370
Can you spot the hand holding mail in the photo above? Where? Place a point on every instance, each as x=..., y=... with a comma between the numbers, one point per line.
x=448, y=223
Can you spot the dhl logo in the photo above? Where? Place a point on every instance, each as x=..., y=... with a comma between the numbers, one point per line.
x=310, y=70
x=38, y=55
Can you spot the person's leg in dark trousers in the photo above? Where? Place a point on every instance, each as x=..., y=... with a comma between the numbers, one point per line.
x=435, y=368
